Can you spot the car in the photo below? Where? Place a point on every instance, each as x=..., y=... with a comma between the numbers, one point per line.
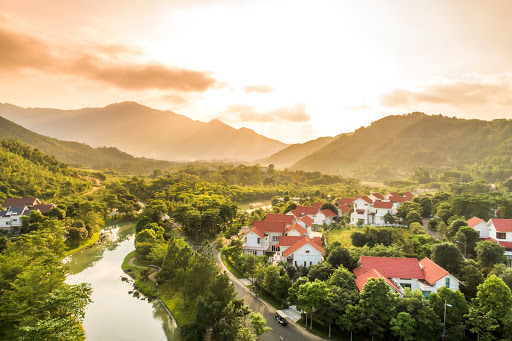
x=281, y=318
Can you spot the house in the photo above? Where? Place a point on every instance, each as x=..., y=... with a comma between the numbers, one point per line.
x=380, y=209
x=17, y=202
x=376, y=196
x=10, y=219
x=314, y=213
x=345, y=201
x=327, y=216
x=408, y=196
x=272, y=217
x=297, y=230
x=401, y=273
x=306, y=222
x=299, y=251
x=479, y=225
x=45, y=208
x=361, y=211
x=263, y=237
x=343, y=209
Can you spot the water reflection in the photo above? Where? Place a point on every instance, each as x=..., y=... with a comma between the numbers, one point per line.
x=114, y=314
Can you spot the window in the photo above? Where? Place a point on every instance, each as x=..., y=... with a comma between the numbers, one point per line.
x=295, y=263
x=273, y=247
x=426, y=294
x=307, y=251
x=406, y=285
x=259, y=240
x=501, y=235
x=275, y=238
x=310, y=263
x=305, y=264
x=447, y=282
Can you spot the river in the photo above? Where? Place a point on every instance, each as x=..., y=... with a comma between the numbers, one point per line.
x=114, y=314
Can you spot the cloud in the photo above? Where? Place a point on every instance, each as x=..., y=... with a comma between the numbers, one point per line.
x=20, y=51
x=264, y=89
x=245, y=113
x=475, y=89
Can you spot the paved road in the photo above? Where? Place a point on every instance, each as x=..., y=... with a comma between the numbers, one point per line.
x=290, y=332
x=430, y=232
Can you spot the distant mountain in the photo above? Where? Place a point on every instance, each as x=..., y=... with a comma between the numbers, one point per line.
x=402, y=143
x=143, y=131
x=75, y=153
x=291, y=154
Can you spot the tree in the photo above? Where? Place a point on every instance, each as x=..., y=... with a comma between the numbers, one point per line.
x=329, y=206
x=454, y=314
x=448, y=256
x=339, y=256
x=489, y=253
x=413, y=216
x=378, y=306
x=426, y=320
x=321, y=271
x=343, y=278
x=482, y=324
x=311, y=295
x=258, y=323
x=416, y=228
x=389, y=218
x=350, y=319
x=404, y=326
x=455, y=226
x=468, y=237
x=503, y=272
x=494, y=298
x=472, y=278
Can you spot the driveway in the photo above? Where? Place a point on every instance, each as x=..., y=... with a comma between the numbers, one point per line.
x=430, y=232
x=277, y=332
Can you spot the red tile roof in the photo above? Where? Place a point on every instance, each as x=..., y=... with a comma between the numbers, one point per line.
x=383, y=204
x=359, y=211
x=301, y=243
x=507, y=245
x=288, y=219
x=396, y=198
x=344, y=208
x=270, y=226
x=474, y=221
x=393, y=267
x=408, y=196
x=317, y=205
x=328, y=213
x=502, y=225
x=20, y=202
x=432, y=271
x=300, y=210
x=288, y=240
x=365, y=198
x=345, y=201
x=307, y=220
x=257, y=231
x=372, y=273
x=378, y=196
x=296, y=227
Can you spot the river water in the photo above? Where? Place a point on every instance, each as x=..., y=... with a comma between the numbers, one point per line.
x=114, y=314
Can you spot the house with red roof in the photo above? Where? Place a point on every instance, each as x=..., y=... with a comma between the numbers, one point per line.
x=14, y=209
x=480, y=225
x=319, y=217
x=263, y=237
x=345, y=201
x=401, y=273
x=299, y=251
x=273, y=217
x=370, y=212
x=343, y=209
x=376, y=196
x=306, y=222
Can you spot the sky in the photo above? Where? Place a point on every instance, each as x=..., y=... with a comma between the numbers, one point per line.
x=290, y=70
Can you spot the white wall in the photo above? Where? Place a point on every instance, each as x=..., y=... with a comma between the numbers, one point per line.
x=312, y=258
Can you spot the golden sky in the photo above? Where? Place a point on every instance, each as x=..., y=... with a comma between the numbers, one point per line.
x=291, y=70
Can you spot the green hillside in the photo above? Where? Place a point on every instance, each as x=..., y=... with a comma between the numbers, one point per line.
x=27, y=172
x=397, y=145
x=80, y=154
x=291, y=154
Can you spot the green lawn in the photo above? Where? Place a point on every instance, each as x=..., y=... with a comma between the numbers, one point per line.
x=172, y=298
x=85, y=244
x=227, y=262
x=343, y=233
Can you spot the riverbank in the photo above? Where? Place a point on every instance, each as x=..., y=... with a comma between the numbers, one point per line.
x=91, y=241
x=170, y=297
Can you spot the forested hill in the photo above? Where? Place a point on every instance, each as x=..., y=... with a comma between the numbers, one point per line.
x=147, y=132
x=80, y=154
x=399, y=144
x=27, y=172
x=295, y=152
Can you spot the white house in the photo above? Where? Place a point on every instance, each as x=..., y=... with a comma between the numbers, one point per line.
x=17, y=202
x=343, y=209
x=496, y=230
x=319, y=217
x=299, y=251
x=263, y=237
x=379, y=209
x=400, y=273
x=479, y=225
x=325, y=217
x=306, y=222
x=297, y=230
x=361, y=211
x=10, y=219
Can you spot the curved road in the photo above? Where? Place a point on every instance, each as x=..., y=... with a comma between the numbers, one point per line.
x=277, y=332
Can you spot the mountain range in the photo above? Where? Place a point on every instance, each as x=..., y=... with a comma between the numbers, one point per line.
x=143, y=131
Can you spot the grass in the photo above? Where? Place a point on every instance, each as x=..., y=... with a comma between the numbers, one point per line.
x=85, y=244
x=175, y=302
x=265, y=296
x=172, y=298
x=231, y=267
x=342, y=234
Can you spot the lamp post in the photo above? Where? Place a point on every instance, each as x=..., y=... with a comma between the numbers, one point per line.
x=444, y=325
x=465, y=247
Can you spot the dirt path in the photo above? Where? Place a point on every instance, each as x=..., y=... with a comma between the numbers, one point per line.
x=94, y=188
x=152, y=276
